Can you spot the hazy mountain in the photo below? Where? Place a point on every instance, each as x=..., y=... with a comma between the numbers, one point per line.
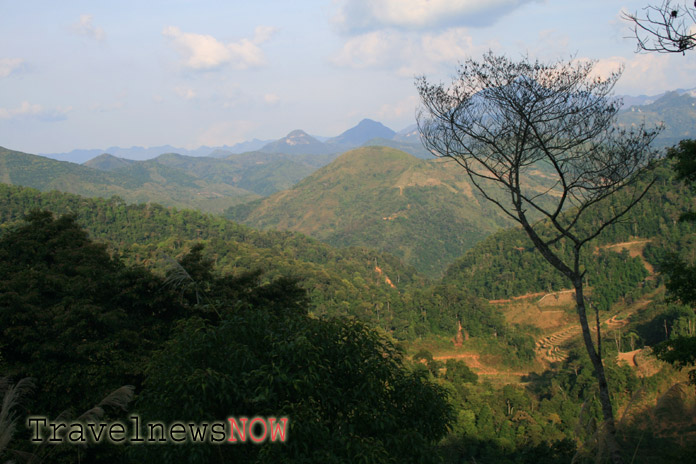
x=677, y=110
x=242, y=147
x=298, y=142
x=132, y=153
x=75, y=156
x=639, y=100
x=366, y=129
x=424, y=212
x=408, y=134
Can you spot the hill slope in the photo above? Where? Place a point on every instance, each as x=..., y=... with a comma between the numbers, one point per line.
x=677, y=112
x=506, y=264
x=147, y=181
x=424, y=212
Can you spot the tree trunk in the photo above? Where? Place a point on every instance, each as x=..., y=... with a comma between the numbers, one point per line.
x=596, y=359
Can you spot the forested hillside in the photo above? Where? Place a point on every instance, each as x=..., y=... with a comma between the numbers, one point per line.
x=506, y=264
x=233, y=283
x=135, y=182
x=424, y=212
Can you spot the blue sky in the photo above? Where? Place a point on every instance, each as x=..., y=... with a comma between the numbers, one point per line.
x=93, y=74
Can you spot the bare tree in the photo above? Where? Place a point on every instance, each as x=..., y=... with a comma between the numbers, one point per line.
x=501, y=119
x=667, y=28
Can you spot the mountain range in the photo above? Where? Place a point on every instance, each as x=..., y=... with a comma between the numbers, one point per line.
x=297, y=142
x=674, y=108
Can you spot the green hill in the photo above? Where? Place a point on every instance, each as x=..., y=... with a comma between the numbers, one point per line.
x=341, y=281
x=676, y=111
x=107, y=162
x=506, y=264
x=424, y=212
x=141, y=182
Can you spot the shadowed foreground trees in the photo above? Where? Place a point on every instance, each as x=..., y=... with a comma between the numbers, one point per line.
x=200, y=346
x=501, y=119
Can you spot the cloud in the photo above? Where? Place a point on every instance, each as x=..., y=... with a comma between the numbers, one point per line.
x=205, y=52
x=373, y=49
x=85, y=27
x=406, y=53
x=28, y=110
x=9, y=65
x=356, y=16
x=646, y=74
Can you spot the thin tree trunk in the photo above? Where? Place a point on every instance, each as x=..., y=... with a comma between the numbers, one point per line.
x=596, y=359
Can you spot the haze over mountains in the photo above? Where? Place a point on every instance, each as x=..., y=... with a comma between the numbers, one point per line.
x=296, y=142
x=379, y=195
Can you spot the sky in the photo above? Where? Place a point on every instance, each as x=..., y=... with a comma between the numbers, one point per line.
x=95, y=74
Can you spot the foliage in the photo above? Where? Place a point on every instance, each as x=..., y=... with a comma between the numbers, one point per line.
x=341, y=385
x=384, y=199
x=81, y=322
x=501, y=118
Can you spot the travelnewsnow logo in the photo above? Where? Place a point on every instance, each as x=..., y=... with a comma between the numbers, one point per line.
x=235, y=430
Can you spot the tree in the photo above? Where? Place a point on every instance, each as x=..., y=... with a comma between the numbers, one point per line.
x=343, y=387
x=667, y=28
x=681, y=276
x=501, y=119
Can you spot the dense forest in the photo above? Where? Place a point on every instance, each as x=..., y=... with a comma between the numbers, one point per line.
x=173, y=314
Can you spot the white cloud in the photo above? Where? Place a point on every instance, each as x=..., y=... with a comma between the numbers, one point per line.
x=185, y=92
x=406, y=53
x=368, y=50
x=363, y=15
x=448, y=47
x=9, y=65
x=205, y=52
x=28, y=110
x=85, y=27
x=647, y=74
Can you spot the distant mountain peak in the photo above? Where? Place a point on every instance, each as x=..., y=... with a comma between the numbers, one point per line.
x=297, y=142
x=367, y=129
x=299, y=137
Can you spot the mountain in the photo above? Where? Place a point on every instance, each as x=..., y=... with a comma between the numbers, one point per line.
x=298, y=142
x=408, y=134
x=424, y=212
x=366, y=129
x=145, y=181
x=640, y=100
x=242, y=147
x=677, y=110
x=107, y=162
x=132, y=153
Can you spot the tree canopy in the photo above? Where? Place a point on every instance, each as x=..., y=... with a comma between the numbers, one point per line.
x=502, y=118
